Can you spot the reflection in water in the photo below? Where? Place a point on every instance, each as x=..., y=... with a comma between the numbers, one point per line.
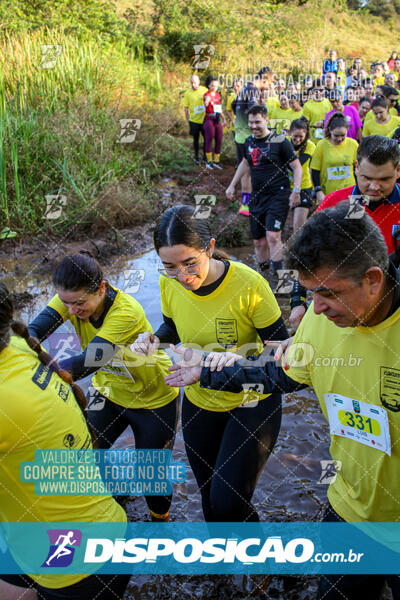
x=288, y=489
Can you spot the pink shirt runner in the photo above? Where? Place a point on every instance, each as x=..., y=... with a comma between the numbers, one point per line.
x=352, y=117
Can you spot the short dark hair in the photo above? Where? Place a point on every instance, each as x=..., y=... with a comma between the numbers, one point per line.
x=387, y=89
x=258, y=109
x=209, y=79
x=365, y=99
x=379, y=149
x=380, y=101
x=331, y=239
x=392, y=90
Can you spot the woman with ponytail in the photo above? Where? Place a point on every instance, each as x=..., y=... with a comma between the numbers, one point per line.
x=334, y=159
x=42, y=408
x=131, y=390
x=300, y=137
x=211, y=302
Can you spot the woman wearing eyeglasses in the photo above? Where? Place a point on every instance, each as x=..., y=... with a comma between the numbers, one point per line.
x=216, y=304
x=130, y=391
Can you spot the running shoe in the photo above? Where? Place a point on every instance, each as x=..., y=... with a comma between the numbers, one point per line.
x=197, y=161
x=217, y=166
x=210, y=165
x=244, y=210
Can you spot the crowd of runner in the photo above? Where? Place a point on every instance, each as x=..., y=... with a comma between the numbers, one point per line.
x=332, y=145
x=350, y=90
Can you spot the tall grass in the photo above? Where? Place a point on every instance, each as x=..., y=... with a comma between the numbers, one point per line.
x=59, y=128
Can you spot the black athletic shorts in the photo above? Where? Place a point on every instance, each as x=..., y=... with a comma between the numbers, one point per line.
x=195, y=128
x=271, y=216
x=306, y=198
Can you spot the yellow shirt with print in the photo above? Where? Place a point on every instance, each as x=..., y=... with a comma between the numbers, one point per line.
x=193, y=101
x=38, y=411
x=225, y=319
x=315, y=111
x=335, y=164
x=128, y=379
x=362, y=363
x=281, y=118
x=371, y=127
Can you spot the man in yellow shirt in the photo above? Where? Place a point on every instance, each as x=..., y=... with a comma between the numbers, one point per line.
x=282, y=116
x=346, y=349
x=315, y=110
x=195, y=112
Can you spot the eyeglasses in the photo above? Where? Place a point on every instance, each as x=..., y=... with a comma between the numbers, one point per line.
x=189, y=269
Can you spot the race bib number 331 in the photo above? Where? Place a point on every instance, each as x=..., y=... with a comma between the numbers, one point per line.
x=359, y=421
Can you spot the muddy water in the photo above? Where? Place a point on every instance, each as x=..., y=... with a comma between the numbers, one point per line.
x=289, y=487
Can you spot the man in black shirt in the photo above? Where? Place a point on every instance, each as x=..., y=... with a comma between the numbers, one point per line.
x=250, y=95
x=267, y=159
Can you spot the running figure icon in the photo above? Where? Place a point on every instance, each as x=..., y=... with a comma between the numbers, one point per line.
x=62, y=549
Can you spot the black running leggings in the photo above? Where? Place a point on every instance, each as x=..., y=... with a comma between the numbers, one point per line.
x=227, y=452
x=152, y=428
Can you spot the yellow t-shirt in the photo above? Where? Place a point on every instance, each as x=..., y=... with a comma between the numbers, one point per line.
x=224, y=320
x=193, y=100
x=335, y=164
x=272, y=103
x=314, y=112
x=341, y=79
x=370, y=114
x=306, y=182
x=365, y=366
x=371, y=127
x=280, y=118
x=395, y=74
x=128, y=379
x=379, y=81
x=38, y=411
x=229, y=101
